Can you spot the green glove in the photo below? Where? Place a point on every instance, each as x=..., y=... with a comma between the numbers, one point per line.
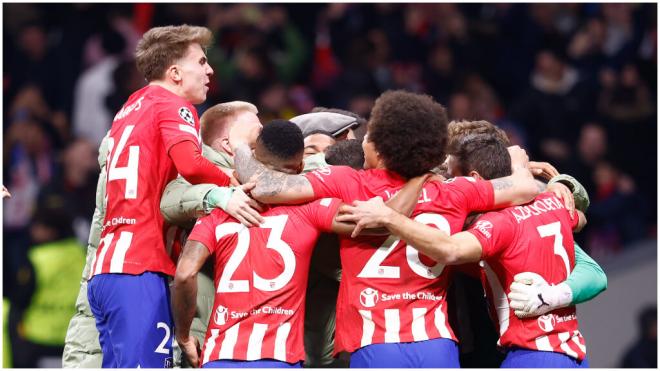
x=218, y=197
x=579, y=193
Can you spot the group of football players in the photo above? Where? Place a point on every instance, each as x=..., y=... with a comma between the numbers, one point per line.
x=208, y=233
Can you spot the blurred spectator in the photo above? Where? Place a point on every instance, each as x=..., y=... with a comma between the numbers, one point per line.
x=74, y=187
x=37, y=333
x=91, y=116
x=624, y=98
x=644, y=353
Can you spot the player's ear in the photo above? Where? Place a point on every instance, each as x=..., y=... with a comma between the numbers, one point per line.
x=174, y=73
x=301, y=166
x=224, y=144
x=475, y=175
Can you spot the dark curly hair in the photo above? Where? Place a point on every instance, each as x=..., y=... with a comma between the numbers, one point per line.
x=409, y=131
x=282, y=138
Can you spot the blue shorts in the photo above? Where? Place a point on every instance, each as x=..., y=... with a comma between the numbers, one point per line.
x=260, y=363
x=527, y=358
x=133, y=318
x=435, y=353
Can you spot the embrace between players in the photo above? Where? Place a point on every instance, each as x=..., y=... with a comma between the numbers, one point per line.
x=399, y=232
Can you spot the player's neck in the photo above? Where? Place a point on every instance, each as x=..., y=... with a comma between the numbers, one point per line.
x=172, y=88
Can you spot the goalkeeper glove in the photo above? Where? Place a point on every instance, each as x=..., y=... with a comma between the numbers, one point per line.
x=530, y=295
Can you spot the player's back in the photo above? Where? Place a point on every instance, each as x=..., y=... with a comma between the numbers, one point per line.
x=389, y=293
x=536, y=237
x=260, y=278
x=152, y=120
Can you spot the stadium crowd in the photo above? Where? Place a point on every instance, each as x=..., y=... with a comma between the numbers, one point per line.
x=574, y=84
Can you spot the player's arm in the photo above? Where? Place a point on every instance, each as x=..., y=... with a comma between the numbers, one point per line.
x=272, y=187
x=193, y=167
x=530, y=295
x=183, y=202
x=184, y=296
x=404, y=202
x=517, y=188
x=436, y=244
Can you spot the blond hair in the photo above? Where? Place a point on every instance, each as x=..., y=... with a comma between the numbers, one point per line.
x=160, y=47
x=214, y=118
x=461, y=128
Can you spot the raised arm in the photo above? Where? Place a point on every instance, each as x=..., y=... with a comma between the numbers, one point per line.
x=272, y=187
x=184, y=297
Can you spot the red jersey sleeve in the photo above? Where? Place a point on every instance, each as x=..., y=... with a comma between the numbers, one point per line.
x=334, y=181
x=204, y=229
x=177, y=123
x=477, y=195
x=321, y=212
x=495, y=231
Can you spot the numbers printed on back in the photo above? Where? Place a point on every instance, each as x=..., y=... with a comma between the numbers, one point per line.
x=129, y=173
x=276, y=225
x=374, y=269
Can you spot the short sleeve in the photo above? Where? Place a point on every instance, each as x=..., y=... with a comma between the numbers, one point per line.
x=495, y=231
x=321, y=212
x=334, y=181
x=177, y=123
x=476, y=194
x=204, y=229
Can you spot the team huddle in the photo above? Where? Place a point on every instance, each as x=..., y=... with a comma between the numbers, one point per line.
x=205, y=228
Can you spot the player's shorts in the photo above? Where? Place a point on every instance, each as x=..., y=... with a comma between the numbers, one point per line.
x=434, y=353
x=260, y=363
x=526, y=358
x=133, y=318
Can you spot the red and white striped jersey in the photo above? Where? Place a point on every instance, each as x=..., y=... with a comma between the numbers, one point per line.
x=261, y=279
x=389, y=293
x=536, y=237
x=148, y=125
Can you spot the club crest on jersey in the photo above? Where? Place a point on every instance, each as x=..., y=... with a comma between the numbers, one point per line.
x=484, y=226
x=369, y=297
x=221, y=315
x=546, y=322
x=187, y=116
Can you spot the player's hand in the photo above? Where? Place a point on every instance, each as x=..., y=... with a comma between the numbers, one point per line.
x=5, y=192
x=531, y=296
x=191, y=350
x=519, y=158
x=563, y=193
x=243, y=207
x=365, y=214
x=543, y=170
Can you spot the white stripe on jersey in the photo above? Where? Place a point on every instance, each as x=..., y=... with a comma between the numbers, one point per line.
x=118, y=256
x=576, y=339
x=500, y=301
x=543, y=343
x=210, y=345
x=229, y=342
x=325, y=202
x=441, y=323
x=255, y=341
x=563, y=338
x=191, y=130
x=392, y=325
x=280, y=341
x=106, y=245
x=368, y=328
x=419, y=324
